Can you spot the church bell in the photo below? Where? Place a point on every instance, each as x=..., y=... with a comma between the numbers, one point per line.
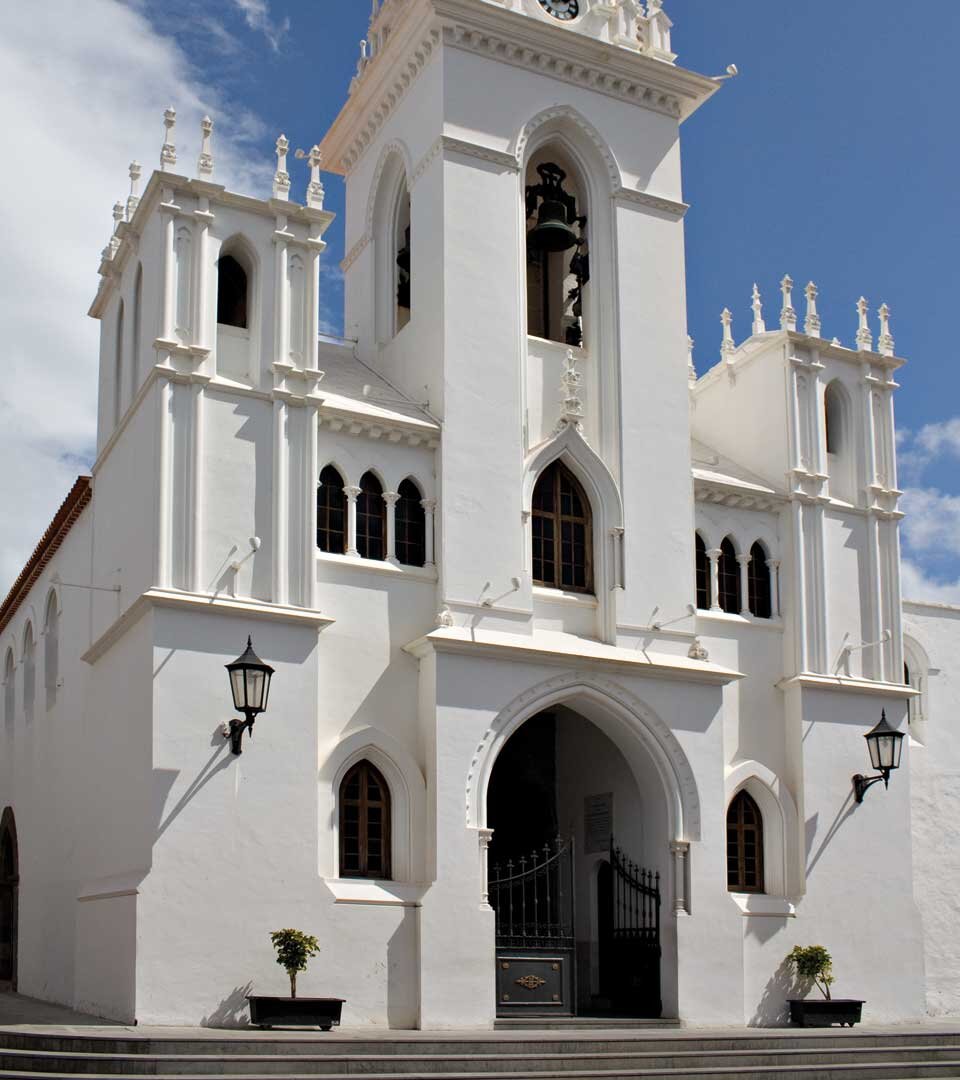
x=557, y=211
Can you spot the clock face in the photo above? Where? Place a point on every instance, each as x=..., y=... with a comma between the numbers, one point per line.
x=561, y=9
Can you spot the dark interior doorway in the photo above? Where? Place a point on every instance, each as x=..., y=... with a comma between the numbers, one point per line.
x=9, y=888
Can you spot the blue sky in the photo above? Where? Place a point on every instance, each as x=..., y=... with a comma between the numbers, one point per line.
x=833, y=156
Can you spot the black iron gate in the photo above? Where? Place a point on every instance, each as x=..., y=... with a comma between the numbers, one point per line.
x=533, y=900
x=635, y=934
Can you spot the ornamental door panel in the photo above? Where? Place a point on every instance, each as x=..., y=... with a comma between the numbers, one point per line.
x=533, y=900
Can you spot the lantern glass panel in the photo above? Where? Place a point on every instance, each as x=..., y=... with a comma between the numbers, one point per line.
x=255, y=687
x=885, y=750
x=238, y=687
x=873, y=742
x=897, y=750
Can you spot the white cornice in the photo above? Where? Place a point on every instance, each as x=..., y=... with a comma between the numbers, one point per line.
x=740, y=498
x=510, y=38
x=590, y=655
x=197, y=602
x=811, y=681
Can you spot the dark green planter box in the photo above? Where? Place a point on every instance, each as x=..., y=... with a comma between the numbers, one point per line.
x=811, y=1012
x=295, y=1012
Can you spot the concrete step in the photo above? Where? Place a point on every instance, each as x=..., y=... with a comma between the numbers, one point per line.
x=855, y=1061
x=245, y=1041
x=886, y=1071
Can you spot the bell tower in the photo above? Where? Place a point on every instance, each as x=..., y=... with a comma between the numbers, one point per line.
x=514, y=255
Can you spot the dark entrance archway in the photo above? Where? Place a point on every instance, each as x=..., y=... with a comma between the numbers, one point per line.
x=9, y=890
x=561, y=801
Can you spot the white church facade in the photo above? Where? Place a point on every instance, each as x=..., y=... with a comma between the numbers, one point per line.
x=573, y=651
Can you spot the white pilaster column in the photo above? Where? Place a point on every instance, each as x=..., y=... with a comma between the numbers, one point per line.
x=680, y=849
x=195, y=555
x=281, y=547
x=870, y=436
x=744, y=561
x=390, y=498
x=164, y=400
x=773, y=566
x=201, y=275
x=351, y=492
x=875, y=571
x=800, y=585
x=310, y=494
x=714, y=556
x=281, y=351
x=429, y=510
x=485, y=836
x=169, y=269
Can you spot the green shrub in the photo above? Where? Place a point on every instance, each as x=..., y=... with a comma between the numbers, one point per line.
x=813, y=963
x=294, y=949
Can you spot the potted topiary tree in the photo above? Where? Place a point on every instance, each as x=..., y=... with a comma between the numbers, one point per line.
x=813, y=965
x=294, y=948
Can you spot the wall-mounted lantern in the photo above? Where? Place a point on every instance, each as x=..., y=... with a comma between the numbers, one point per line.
x=250, y=684
x=885, y=744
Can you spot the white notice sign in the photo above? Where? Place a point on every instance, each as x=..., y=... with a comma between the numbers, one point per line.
x=597, y=823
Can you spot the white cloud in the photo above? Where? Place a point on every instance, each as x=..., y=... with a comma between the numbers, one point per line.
x=932, y=522
x=917, y=585
x=257, y=16
x=84, y=88
x=916, y=450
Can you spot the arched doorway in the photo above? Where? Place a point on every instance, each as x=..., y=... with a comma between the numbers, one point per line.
x=578, y=851
x=9, y=883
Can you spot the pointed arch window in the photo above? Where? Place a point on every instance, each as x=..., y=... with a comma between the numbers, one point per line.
x=51, y=651
x=135, y=344
x=562, y=532
x=364, y=823
x=371, y=518
x=838, y=437
x=331, y=512
x=232, y=293
x=760, y=598
x=9, y=691
x=29, y=673
x=118, y=369
x=744, y=845
x=703, y=574
x=402, y=258
x=728, y=578
x=410, y=522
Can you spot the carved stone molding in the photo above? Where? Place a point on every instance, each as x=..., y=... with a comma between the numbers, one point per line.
x=593, y=76
x=721, y=495
x=378, y=428
x=355, y=252
x=651, y=202
x=414, y=63
x=648, y=727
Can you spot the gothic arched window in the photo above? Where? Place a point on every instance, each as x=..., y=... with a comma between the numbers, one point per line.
x=232, y=293
x=371, y=518
x=728, y=578
x=410, y=524
x=562, y=532
x=51, y=651
x=744, y=845
x=29, y=673
x=703, y=574
x=118, y=369
x=9, y=691
x=402, y=258
x=837, y=425
x=364, y=823
x=760, y=598
x=331, y=512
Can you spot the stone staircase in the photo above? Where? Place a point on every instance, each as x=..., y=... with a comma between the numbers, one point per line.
x=784, y=1054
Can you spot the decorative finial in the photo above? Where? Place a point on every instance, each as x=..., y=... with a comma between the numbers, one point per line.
x=691, y=367
x=697, y=651
x=281, y=178
x=864, y=337
x=117, y=219
x=205, y=160
x=726, y=346
x=571, y=412
x=885, y=341
x=788, y=317
x=133, y=199
x=759, y=326
x=168, y=152
x=811, y=324
x=315, y=188
x=445, y=617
